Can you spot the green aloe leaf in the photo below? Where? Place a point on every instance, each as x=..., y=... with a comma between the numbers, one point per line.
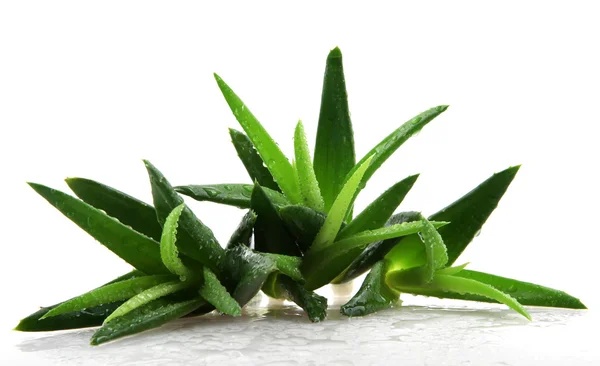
x=146, y=317
x=168, y=248
x=243, y=233
x=388, y=232
x=526, y=293
x=339, y=209
x=237, y=195
x=380, y=210
x=194, y=239
x=470, y=212
x=147, y=296
x=276, y=162
x=118, y=291
x=133, y=247
x=435, y=250
x=320, y=267
x=376, y=251
x=303, y=223
x=334, y=148
x=288, y=265
x=129, y=210
x=216, y=294
x=251, y=160
x=451, y=271
x=83, y=318
x=373, y=295
x=270, y=234
x=307, y=181
x=245, y=272
x=280, y=286
x=465, y=285
x=393, y=141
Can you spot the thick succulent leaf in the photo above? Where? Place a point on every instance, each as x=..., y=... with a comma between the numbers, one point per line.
x=251, y=160
x=526, y=293
x=373, y=295
x=129, y=210
x=270, y=233
x=470, y=212
x=307, y=181
x=319, y=267
x=89, y=317
x=147, y=296
x=276, y=162
x=451, y=271
x=118, y=291
x=280, y=286
x=469, y=286
x=339, y=209
x=376, y=251
x=168, y=248
x=243, y=233
x=380, y=210
x=303, y=223
x=388, y=232
x=237, y=195
x=245, y=272
x=393, y=141
x=133, y=247
x=435, y=250
x=215, y=293
x=288, y=265
x=334, y=148
x=194, y=238
x=146, y=317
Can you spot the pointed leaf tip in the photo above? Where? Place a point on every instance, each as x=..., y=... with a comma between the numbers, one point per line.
x=335, y=53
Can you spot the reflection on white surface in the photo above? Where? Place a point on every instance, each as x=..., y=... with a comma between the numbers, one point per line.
x=282, y=335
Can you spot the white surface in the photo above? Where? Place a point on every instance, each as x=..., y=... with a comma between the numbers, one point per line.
x=282, y=335
x=90, y=88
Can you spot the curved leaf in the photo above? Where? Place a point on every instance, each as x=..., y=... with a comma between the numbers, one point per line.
x=168, y=248
x=280, y=286
x=216, y=294
x=435, y=250
x=243, y=233
x=303, y=223
x=373, y=295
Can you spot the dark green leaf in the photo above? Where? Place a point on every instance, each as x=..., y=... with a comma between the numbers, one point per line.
x=270, y=234
x=252, y=161
x=135, y=248
x=303, y=223
x=280, y=286
x=243, y=234
x=376, y=251
x=380, y=210
x=334, y=148
x=393, y=141
x=373, y=295
x=151, y=315
x=470, y=212
x=194, y=239
x=276, y=162
x=129, y=210
x=245, y=272
x=288, y=265
x=524, y=292
x=237, y=195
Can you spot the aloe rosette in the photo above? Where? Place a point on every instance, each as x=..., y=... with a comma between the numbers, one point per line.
x=299, y=233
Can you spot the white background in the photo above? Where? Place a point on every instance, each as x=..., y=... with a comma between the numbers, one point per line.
x=90, y=89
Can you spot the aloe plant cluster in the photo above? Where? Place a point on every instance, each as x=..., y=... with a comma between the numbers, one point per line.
x=299, y=233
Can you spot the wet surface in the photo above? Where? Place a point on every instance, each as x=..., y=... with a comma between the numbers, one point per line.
x=282, y=335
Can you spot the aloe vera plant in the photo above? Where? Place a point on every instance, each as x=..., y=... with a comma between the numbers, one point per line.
x=299, y=233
